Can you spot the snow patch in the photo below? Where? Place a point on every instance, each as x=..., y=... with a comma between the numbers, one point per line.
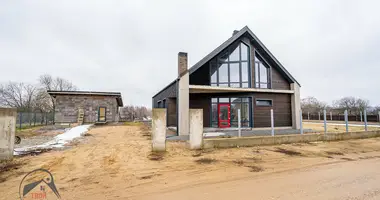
x=58, y=142
x=213, y=134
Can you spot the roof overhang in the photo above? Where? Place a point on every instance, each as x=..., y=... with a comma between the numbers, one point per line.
x=213, y=89
x=117, y=95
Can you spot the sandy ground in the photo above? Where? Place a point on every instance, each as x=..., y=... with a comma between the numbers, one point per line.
x=115, y=162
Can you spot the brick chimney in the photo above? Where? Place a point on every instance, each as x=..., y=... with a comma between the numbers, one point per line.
x=235, y=31
x=182, y=63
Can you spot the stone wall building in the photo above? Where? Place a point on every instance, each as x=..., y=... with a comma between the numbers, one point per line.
x=86, y=107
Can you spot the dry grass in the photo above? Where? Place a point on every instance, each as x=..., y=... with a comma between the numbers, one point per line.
x=287, y=152
x=133, y=123
x=205, y=161
x=336, y=128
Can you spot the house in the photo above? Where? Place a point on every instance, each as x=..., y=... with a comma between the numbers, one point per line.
x=239, y=74
x=86, y=107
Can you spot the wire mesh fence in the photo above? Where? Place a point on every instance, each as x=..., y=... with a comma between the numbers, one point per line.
x=32, y=119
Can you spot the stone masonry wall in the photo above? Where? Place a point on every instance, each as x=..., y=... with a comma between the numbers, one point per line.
x=66, y=110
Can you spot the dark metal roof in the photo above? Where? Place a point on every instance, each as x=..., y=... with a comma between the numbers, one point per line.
x=232, y=39
x=244, y=31
x=117, y=95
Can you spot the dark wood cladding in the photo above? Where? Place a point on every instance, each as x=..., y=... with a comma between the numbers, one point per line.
x=281, y=105
x=169, y=92
x=278, y=80
x=201, y=76
x=202, y=101
x=171, y=112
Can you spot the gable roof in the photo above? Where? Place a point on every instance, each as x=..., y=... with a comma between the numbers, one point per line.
x=231, y=40
x=117, y=95
x=244, y=31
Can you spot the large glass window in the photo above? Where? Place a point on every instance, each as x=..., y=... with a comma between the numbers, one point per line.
x=236, y=103
x=262, y=79
x=231, y=68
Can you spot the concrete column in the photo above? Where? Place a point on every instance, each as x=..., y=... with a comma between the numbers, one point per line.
x=183, y=95
x=296, y=105
x=159, y=129
x=196, y=128
x=7, y=132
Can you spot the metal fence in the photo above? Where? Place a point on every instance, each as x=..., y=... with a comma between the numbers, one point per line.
x=31, y=119
x=340, y=117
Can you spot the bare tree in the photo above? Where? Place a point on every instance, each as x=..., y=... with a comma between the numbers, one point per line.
x=17, y=95
x=130, y=113
x=47, y=83
x=312, y=105
x=352, y=104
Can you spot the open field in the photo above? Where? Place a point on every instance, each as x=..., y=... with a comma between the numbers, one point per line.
x=115, y=162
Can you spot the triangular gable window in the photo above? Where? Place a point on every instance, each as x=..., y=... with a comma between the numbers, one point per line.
x=231, y=69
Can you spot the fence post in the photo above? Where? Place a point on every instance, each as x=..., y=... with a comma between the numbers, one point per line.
x=34, y=123
x=331, y=116
x=361, y=116
x=365, y=120
x=319, y=116
x=301, y=126
x=239, y=122
x=46, y=119
x=379, y=115
x=272, y=121
x=20, y=120
x=324, y=120
x=308, y=116
x=346, y=119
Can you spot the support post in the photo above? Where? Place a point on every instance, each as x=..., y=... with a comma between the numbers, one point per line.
x=295, y=105
x=361, y=116
x=365, y=120
x=272, y=121
x=8, y=121
x=196, y=129
x=159, y=129
x=346, y=119
x=324, y=120
x=379, y=115
x=301, y=125
x=319, y=116
x=331, y=116
x=183, y=95
x=20, y=120
x=239, y=123
x=308, y=116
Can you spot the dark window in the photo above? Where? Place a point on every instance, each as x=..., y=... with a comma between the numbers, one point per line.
x=231, y=68
x=159, y=104
x=261, y=73
x=263, y=102
x=164, y=103
x=236, y=103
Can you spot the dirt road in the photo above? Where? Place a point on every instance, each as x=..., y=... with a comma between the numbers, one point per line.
x=349, y=180
x=115, y=162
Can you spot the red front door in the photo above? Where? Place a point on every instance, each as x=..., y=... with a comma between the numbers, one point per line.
x=224, y=115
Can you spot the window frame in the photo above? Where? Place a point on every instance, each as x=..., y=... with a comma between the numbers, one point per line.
x=217, y=61
x=261, y=99
x=241, y=102
x=264, y=63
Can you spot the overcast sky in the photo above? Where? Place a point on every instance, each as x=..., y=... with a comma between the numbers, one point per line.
x=330, y=47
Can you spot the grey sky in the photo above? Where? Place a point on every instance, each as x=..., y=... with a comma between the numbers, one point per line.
x=330, y=47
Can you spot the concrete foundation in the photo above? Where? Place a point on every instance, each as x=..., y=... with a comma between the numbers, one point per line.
x=7, y=132
x=196, y=128
x=159, y=129
x=285, y=139
x=296, y=105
